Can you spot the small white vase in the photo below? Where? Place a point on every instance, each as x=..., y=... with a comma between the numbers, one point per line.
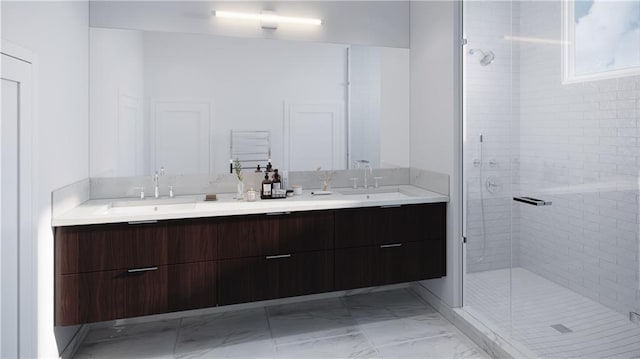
x=240, y=190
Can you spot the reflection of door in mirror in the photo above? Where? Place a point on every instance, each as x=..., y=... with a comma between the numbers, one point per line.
x=180, y=137
x=314, y=137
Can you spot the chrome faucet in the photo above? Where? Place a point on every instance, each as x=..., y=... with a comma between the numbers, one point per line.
x=367, y=171
x=367, y=168
x=156, y=178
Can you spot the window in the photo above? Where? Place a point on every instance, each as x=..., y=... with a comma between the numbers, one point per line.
x=603, y=39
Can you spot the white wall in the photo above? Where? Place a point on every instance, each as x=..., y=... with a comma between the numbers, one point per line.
x=117, y=74
x=434, y=130
x=379, y=23
x=57, y=32
x=395, y=110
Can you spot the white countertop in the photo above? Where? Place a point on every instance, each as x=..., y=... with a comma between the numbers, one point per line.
x=104, y=211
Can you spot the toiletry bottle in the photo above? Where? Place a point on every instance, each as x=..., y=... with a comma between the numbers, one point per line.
x=258, y=169
x=277, y=182
x=269, y=167
x=266, y=186
x=285, y=179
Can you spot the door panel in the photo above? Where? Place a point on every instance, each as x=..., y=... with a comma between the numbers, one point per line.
x=181, y=137
x=16, y=225
x=309, y=127
x=9, y=217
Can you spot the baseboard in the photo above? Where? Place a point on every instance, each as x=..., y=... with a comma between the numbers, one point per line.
x=491, y=342
x=77, y=340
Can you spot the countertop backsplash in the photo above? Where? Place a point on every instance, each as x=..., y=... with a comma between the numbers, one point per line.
x=121, y=187
x=130, y=187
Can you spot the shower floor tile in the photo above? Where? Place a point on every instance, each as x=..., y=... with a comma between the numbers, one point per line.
x=538, y=304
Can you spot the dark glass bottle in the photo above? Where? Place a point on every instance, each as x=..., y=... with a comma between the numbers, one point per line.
x=276, y=181
x=267, y=186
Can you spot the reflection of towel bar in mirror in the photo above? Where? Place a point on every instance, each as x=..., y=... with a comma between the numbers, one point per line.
x=532, y=201
x=250, y=148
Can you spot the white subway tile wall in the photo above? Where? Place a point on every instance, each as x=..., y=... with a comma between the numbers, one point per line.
x=578, y=148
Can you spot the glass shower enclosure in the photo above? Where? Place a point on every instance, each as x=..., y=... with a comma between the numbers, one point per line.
x=551, y=174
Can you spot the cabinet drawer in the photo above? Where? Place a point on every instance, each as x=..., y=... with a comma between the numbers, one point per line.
x=107, y=247
x=388, y=264
x=108, y=295
x=192, y=241
x=192, y=285
x=99, y=296
x=273, y=234
x=259, y=278
x=384, y=225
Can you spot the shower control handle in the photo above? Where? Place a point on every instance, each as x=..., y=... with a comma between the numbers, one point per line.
x=532, y=201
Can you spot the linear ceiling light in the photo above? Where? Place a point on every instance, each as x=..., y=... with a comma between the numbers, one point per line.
x=270, y=18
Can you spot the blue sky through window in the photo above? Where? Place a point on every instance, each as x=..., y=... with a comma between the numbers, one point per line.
x=607, y=35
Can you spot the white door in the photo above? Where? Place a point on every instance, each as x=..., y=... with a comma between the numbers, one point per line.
x=314, y=137
x=181, y=137
x=15, y=198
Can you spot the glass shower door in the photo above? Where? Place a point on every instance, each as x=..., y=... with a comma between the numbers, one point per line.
x=489, y=152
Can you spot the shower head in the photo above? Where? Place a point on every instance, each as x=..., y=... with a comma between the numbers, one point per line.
x=487, y=57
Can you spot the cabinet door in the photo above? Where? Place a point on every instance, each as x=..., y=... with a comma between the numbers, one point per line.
x=99, y=296
x=259, y=278
x=275, y=234
x=107, y=247
x=192, y=285
x=192, y=241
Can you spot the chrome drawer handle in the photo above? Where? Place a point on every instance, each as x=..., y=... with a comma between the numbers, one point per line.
x=391, y=245
x=143, y=222
x=391, y=206
x=279, y=256
x=277, y=213
x=137, y=270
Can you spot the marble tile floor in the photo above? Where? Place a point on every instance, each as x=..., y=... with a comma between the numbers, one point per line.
x=388, y=324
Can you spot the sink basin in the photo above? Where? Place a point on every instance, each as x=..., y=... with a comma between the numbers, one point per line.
x=378, y=196
x=158, y=208
x=384, y=193
x=156, y=201
x=160, y=205
x=352, y=191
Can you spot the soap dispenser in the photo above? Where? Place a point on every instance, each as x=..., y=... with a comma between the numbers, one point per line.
x=277, y=182
x=265, y=191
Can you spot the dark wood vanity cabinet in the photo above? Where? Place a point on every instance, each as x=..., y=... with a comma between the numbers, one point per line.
x=105, y=272
x=275, y=256
x=389, y=245
x=112, y=271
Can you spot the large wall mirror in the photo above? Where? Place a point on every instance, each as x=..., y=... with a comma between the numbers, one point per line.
x=191, y=102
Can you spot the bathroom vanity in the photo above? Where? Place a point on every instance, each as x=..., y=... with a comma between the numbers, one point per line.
x=120, y=266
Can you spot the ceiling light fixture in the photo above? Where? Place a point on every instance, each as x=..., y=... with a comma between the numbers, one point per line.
x=267, y=17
